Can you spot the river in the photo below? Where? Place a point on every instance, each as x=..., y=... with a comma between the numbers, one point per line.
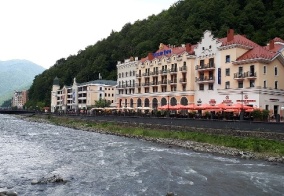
x=98, y=164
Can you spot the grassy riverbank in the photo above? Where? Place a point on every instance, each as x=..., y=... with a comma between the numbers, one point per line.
x=262, y=147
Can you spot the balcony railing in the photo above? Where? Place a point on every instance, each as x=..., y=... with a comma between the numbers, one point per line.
x=239, y=76
x=249, y=74
x=120, y=86
x=183, y=69
x=154, y=73
x=163, y=82
x=146, y=74
x=138, y=75
x=163, y=72
x=205, y=79
x=154, y=83
x=209, y=66
x=174, y=81
x=146, y=84
x=173, y=70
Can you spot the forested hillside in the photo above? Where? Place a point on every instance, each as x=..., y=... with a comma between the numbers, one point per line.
x=183, y=22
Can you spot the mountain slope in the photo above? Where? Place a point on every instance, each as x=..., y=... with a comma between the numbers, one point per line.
x=16, y=75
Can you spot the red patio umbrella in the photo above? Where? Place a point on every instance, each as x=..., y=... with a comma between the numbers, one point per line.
x=163, y=107
x=188, y=107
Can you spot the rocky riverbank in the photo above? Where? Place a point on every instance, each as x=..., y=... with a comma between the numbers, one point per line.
x=195, y=146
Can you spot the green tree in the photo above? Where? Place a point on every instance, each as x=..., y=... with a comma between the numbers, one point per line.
x=102, y=103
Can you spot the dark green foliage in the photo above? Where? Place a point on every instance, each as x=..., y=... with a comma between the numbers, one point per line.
x=183, y=22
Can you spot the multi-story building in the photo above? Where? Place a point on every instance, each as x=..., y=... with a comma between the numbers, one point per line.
x=19, y=99
x=81, y=96
x=126, y=79
x=162, y=77
x=228, y=70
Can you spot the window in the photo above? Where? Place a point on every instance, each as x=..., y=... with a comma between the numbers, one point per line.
x=122, y=74
x=105, y=94
x=210, y=86
x=275, y=71
x=210, y=47
x=101, y=88
x=228, y=60
x=227, y=85
x=264, y=69
x=240, y=85
x=201, y=87
x=266, y=107
x=251, y=83
x=119, y=75
x=276, y=84
x=100, y=95
x=228, y=72
x=264, y=84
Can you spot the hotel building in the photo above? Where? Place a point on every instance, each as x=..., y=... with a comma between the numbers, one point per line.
x=19, y=99
x=227, y=70
x=81, y=96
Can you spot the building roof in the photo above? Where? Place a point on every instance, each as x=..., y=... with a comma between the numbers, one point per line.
x=174, y=50
x=238, y=39
x=258, y=53
x=105, y=82
x=56, y=81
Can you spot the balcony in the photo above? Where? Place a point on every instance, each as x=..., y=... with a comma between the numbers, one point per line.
x=138, y=76
x=239, y=76
x=154, y=83
x=173, y=70
x=146, y=84
x=205, y=79
x=250, y=75
x=130, y=85
x=205, y=67
x=183, y=69
x=163, y=82
x=163, y=72
x=154, y=73
x=121, y=86
x=182, y=80
x=146, y=74
x=171, y=82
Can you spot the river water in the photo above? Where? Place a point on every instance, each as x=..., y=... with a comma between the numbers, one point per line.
x=98, y=164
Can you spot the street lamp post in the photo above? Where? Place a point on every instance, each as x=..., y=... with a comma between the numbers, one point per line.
x=168, y=107
x=242, y=109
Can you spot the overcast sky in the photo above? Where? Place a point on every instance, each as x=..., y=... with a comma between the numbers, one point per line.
x=44, y=31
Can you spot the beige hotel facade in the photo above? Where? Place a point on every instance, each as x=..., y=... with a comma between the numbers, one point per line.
x=227, y=70
x=81, y=96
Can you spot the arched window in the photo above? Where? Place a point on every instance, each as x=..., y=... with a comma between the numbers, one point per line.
x=139, y=103
x=173, y=101
x=163, y=101
x=120, y=101
x=125, y=103
x=155, y=103
x=131, y=103
x=184, y=101
x=146, y=102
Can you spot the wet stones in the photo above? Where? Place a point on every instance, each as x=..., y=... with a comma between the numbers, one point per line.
x=51, y=179
x=8, y=193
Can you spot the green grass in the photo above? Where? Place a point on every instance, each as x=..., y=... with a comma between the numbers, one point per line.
x=258, y=145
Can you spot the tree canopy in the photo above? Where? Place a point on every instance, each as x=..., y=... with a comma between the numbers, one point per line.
x=184, y=22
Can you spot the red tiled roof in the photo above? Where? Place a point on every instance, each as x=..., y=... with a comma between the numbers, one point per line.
x=277, y=39
x=238, y=39
x=276, y=48
x=258, y=52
